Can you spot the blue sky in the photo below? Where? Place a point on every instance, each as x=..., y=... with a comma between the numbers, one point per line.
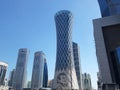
x=30, y=24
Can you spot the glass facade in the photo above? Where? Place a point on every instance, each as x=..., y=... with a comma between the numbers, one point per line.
x=29, y=84
x=38, y=68
x=115, y=56
x=63, y=21
x=77, y=64
x=109, y=7
x=114, y=6
x=10, y=83
x=21, y=70
x=45, y=75
x=65, y=75
x=104, y=8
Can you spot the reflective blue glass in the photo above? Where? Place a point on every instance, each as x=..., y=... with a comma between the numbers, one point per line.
x=116, y=65
x=45, y=75
x=109, y=7
x=118, y=54
x=104, y=8
x=63, y=21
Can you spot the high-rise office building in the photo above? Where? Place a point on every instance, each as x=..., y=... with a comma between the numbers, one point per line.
x=3, y=69
x=86, y=79
x=77, y=63
x=11, y=78
x=45, y=74
x=65, y=75
x=109, y=7
x=38, y=69
x=29, y=84
x=107, y=38
x=21, y=69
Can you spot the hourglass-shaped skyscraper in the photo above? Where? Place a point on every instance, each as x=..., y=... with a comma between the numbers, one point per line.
x=65, y=76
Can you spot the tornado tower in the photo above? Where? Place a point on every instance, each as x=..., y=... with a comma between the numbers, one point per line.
x=65, y=76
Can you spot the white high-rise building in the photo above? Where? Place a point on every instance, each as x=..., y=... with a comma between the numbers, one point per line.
x=20, y=76
x=38, y=68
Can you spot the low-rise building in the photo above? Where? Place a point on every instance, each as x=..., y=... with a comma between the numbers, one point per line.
x=3, y=87
x=86, y=80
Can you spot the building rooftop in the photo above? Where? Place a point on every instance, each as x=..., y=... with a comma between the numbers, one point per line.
x=3, y=64
x=63, y=12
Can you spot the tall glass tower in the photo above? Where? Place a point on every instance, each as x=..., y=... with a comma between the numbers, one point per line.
x=3, y=69
x=109, y=7
x=38, y=68
x=11, y=78
x=77, y=63
x=45, y=75
x=65, y=75
x=21, y=70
